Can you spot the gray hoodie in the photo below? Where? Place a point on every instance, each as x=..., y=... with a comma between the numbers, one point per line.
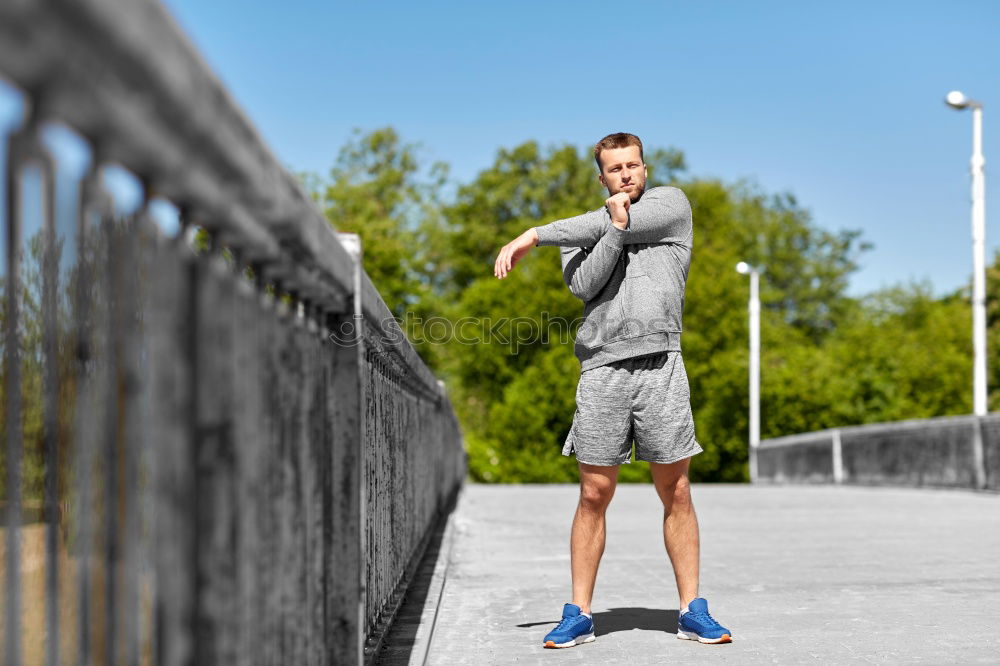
x=631, y=281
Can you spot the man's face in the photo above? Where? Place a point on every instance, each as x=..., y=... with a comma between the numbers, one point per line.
x=622, y=170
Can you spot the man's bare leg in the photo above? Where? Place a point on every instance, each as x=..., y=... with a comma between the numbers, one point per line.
x=597, y=486
x=680, y=525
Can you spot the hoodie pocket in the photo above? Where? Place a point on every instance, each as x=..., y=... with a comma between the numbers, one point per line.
x=603, y=322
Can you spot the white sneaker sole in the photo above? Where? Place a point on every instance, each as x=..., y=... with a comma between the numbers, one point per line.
x=691, y=636
x=588, y=638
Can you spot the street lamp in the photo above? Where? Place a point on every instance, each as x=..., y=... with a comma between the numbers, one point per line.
x=743, y=268
x=957, y=100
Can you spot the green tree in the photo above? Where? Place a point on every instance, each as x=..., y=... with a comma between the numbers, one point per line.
x=735, y=223
x=379, y=190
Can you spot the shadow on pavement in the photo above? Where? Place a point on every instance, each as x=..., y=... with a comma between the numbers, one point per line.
x=398, y=644
x=626, y=619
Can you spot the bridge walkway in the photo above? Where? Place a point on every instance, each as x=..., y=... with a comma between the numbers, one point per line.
x=801, y=574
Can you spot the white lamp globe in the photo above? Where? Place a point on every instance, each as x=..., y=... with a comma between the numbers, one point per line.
x=956, y=99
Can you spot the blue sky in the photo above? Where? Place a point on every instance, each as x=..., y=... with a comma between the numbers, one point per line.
x=838, y=103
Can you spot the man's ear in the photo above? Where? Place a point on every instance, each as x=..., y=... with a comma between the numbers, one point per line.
x=600, y=178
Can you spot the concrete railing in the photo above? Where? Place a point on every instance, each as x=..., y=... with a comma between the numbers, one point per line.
x=235, y=454
x=953, y=451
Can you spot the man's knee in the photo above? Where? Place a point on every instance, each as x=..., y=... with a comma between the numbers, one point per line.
x=596, y=496
x=676, y=494
x=682, y=492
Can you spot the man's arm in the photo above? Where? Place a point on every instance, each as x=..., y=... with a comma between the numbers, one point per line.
x=662, y=215
x=577, y=231
x=586, y=273
x=617, y=210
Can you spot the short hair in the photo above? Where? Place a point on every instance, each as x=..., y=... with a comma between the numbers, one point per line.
x=616, y=140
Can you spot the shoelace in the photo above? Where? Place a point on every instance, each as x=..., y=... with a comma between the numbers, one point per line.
x=705, y=618
x=566, y=622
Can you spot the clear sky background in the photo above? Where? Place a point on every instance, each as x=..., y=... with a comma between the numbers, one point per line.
x=839, y=103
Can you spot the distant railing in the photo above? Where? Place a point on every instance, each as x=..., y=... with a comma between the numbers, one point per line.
x=952, y=451
x=232, y=453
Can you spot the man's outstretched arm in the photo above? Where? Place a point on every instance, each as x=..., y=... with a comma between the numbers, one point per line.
x=617, y=211
x=662, y=215
x=586, y=273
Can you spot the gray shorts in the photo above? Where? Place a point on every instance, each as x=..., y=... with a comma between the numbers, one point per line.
x=646, y=398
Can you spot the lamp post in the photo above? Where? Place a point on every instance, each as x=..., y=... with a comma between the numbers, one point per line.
x=754, y=307
x=957, y=100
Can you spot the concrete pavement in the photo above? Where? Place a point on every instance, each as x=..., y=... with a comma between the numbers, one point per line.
x=800, y=574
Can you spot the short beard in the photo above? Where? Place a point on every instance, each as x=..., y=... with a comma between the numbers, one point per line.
x=639, y=191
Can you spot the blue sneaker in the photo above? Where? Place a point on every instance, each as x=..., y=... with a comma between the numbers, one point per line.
x=698, y=625
x=575, y=628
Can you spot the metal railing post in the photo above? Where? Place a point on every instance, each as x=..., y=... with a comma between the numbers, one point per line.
x=838, y=457
x=978, y=458
x=348, y=395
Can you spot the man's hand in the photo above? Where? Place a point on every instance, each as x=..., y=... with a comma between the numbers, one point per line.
x=512, y=252
x=618, y=205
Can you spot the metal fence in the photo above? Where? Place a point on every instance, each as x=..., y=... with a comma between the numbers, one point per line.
x=953, y=451
x=212, y=454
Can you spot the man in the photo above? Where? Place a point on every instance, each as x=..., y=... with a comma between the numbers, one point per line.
x=628, y=262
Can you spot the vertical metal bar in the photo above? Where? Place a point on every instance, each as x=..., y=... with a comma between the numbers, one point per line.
x=282, y=488
x=978, y=264
x=93, y=204
x=129, y=386
x=348, y=486
x=294, y=445
x=171, y=340
x=314, y=445
x=317, y=446
x=50, y=416
x=978, y=457
x=148, y=236
x=838, y=457
x=12, y=392
x=111, y=435
x=82, y=458
x=215, y=450
x=269, y=562
x=754, y=371
x=247, y=398
x=329, y=527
